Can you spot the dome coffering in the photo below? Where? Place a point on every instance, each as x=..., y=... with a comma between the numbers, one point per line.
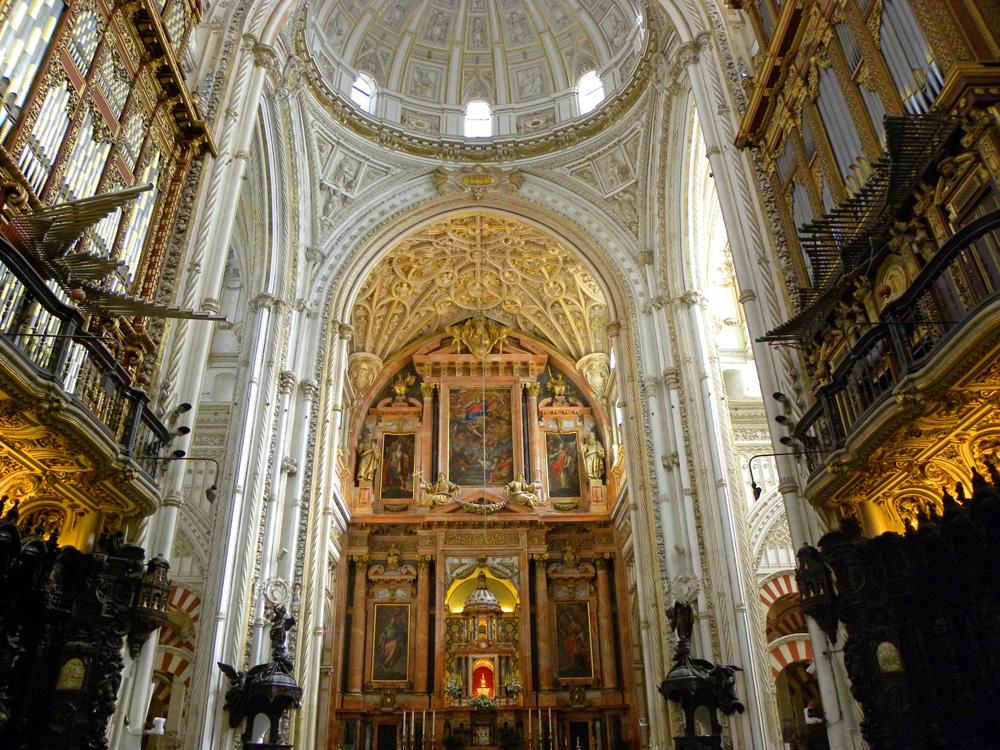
x=430, y=58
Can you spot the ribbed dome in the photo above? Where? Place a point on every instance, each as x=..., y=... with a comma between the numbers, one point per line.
x=429, y=58
x=482, y=599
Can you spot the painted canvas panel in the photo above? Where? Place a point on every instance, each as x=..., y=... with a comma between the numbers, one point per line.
x=574, y=657
x=390, y=642
x=563, y=452
x=397, y=465
x=480, y=437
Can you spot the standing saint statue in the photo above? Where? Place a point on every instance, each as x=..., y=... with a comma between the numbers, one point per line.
x=593, y=456
x=367, y=458
x=439, y=492
x=522, y=492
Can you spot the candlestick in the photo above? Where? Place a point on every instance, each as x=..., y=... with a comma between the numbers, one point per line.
x=552, y=735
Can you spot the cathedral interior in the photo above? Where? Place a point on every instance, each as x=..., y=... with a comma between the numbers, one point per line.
x=542, y=374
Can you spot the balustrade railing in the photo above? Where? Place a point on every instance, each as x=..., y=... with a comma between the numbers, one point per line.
x=49, y=334
x=961, y=278
x=501, y=701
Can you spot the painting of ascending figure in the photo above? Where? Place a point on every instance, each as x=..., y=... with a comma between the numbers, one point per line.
x=480, y=437
x=563, y=452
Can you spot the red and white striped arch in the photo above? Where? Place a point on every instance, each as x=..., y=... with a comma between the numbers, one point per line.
x=788, y=652
x=777, y=587
x=175, y=663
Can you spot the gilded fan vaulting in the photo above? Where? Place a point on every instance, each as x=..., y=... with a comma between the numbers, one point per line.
x=453, y=268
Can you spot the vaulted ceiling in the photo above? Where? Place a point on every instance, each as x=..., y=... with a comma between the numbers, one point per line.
x=479, y=262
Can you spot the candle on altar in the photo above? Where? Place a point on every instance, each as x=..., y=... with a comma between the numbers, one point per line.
x=433, y=723
x=423, y=722
x=539, y=723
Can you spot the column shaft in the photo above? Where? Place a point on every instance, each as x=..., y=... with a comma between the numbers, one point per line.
x=535, y=440
x=356, y=665
x=605, y=631
x=543, y=624
x=423, y=623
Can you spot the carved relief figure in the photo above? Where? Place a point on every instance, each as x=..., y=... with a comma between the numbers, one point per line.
x=367, y=458
x=529, y=83
x=518, y=26
x=345, y=173
x=522, y=492
x=422, y=84
x=438, y=493
x=593, y=457
x=437, y=30
x=618, y=32
x=396, y=14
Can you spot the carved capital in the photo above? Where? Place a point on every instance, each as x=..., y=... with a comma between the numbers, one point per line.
x=531, y=389
x=427, y=390
x=264, y=301
x=286, y=382
x=310, y=388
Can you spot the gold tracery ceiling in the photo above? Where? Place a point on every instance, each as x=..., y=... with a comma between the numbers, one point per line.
x=510, y=271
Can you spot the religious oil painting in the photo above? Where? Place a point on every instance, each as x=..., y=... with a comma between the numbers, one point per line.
x=573, y=652
x=480, y=436
x=397, y=465
x=390, y=643
x=563, y=459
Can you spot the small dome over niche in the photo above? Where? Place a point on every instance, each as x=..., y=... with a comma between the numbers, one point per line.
x=482, y=599
x=430, y=58
x=480, y=593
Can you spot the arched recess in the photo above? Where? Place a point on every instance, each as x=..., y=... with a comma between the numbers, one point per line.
x=613, y=270
x=611, y=264
x=173, y=672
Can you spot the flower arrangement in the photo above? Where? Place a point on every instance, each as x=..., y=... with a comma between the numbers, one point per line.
x=453, y=687
x=513, y=685
x=483, y=703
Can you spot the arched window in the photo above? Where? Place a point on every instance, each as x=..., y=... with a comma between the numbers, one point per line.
x=363, y=92
x=478, y=120
x=589, y=91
